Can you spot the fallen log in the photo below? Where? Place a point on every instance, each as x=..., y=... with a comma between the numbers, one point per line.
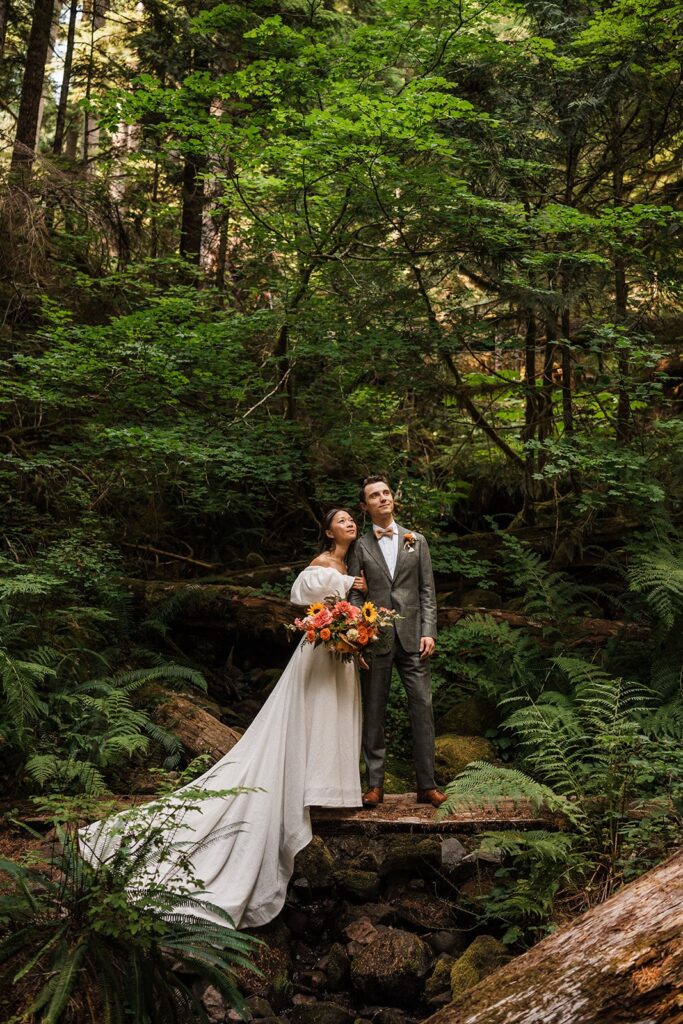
x=199, y=731
x=620, y=962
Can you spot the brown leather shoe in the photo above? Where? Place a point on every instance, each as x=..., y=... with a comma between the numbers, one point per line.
x=431, y=796
x=373, y=797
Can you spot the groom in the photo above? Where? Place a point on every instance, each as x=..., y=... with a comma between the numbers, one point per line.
x=398, y=572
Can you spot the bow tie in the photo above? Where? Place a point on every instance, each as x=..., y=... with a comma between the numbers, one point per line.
x=379, y=532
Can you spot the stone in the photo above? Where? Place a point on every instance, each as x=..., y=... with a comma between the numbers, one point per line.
x=377, y=913
x=492, y=856
x=447, y=941
x=362, y=931
x=321, y=1013
x=391, y=969
x=360, y=885
x=478, y=885
x=405, y=853
x=424, y=911
x=237, y=1016
x=390, y=1015
x=453, y=753
x=260, y=1008
x=481, y=958
x=473, y=716
x=316, y=864
x=453, y=853
x=439, y=981
x=336, y=966
x=214, y=1004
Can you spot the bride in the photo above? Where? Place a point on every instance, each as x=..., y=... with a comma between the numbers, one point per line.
x=301, y=750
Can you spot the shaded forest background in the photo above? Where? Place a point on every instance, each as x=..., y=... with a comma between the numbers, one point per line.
x=252, y=252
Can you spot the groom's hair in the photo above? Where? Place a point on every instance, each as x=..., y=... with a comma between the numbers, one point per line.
x=379, y=478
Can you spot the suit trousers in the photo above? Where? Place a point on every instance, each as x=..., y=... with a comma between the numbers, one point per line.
x=416, y=677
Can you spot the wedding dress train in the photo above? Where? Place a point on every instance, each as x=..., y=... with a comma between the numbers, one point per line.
x=301, y=750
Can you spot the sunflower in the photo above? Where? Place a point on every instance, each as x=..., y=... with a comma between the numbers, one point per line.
x=314, y=608
x=369, y=611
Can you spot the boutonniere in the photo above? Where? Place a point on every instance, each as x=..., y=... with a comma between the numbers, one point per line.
x=409, y=541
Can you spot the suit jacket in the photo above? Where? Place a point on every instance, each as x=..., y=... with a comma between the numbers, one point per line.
x=411, y=592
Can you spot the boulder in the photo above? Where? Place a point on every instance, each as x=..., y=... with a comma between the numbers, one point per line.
x=453, y=753
x=316, y=865
x=447, y=941
x=405, y=853
x=424, y=911
x=358, y=885
x=481, y=958
x=336, y=965
x=391, y=969
x=438, y=985
x=259, y=1008
x=473, y=716
x=321, y=1013
x=453, y=853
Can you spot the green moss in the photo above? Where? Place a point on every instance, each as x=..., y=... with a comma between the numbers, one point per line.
x=471, y=717
x=481, y=958
x=454, y=753
x=362, y=885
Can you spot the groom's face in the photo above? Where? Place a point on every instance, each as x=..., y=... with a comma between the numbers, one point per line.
x=379, y=501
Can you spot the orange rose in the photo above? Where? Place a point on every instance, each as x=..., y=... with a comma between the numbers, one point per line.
x=310, y=636
x=363, y=635
x=325, y=634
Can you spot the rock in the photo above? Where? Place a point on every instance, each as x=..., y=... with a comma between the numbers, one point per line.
x=480, y=598
x=214, y=1004
x=315, y=863
x=272, y=958
x=390, y=1015
x=493, y=856
x=259, y=1007
x=236, y=1017
x=336, y=966
x=321, y=1013
x=478, y=886
x=392, y=968
x=453, y=853
x=404, y=853
x=280, y=991
x=453, y=753
x=438, y=983
x=377, y=913
x=362, y=931
x=447, y=941
x=481, y=958
x=361, y=885
x=424, y=911
x=303, y=999
x=471, y=717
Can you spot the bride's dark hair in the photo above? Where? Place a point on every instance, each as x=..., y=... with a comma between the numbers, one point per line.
x=325, y=541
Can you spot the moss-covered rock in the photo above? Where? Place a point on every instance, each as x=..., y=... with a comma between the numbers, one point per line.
x=393, y=783
x=358, y=885
x=453, y=753
x=321, y=1013
x=336, y=965
x=316, y=864
x=471, y=717
x=406, y=853
x=439, y=981
x=391, y=969
x=481, y=958
x=424, y=911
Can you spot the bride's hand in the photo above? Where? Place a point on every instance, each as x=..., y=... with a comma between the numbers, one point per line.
x=360, y=584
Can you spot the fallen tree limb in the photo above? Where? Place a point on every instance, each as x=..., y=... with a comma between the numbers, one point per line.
x=198, y=731
x=619, y=962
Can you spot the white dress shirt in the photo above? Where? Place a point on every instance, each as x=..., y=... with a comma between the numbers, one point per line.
x=389, y=546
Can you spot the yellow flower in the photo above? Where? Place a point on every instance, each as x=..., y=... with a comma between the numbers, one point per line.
x=314, y=608
x=369, y=611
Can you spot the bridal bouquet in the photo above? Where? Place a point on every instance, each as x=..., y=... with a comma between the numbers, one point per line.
x=341, y=627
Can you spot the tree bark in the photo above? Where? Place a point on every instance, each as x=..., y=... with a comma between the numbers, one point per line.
x=619, y=962
x=66, y=80
x=23, y=153
x=192, y=208
x=4, y=18
x=198, y=731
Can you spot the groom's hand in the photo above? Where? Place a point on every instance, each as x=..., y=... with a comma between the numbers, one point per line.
x=427, y=645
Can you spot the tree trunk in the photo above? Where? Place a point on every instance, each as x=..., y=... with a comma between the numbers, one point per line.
x=620, y=962
x=23, y=153
x=4, y=18
x=66, y=80
x=198, y=731
x=193, y=208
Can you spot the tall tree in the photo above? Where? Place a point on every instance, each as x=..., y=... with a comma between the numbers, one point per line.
x=23, y=153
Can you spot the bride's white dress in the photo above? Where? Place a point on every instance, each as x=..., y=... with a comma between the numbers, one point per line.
x=302, y=750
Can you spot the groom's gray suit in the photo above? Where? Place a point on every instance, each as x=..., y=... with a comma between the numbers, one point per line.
x=411, y=593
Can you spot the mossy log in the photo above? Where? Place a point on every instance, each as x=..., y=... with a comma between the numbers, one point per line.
x=621, y=961
x=199, y=731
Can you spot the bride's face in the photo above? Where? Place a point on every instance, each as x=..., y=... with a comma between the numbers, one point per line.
x=342, y=529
